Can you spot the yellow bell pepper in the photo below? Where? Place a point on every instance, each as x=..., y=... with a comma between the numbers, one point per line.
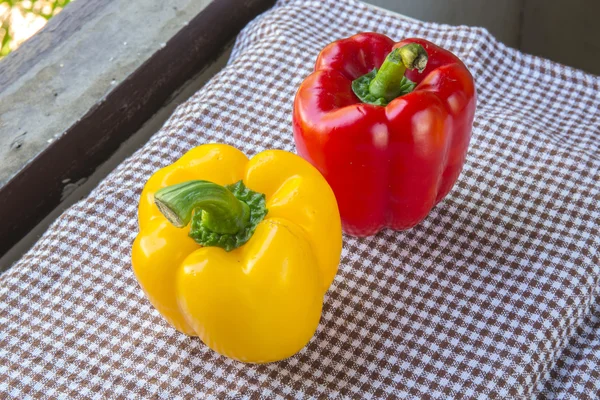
x=253, y=289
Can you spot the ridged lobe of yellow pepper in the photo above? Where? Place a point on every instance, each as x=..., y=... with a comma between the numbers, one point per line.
x=262, y=301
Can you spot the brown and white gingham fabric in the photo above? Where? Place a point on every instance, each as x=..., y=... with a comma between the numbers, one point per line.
x=494, y=295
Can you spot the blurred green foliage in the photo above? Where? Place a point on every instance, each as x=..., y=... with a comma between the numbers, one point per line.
x=30, y=9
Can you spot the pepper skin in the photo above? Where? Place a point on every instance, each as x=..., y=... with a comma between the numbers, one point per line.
x=387, y=165
x=261, y=301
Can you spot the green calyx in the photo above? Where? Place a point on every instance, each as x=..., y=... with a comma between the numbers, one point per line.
x=221, y=216
x=360, y=87
x=380, y=86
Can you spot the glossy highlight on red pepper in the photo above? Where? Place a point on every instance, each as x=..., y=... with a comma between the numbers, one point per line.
x=388, y=165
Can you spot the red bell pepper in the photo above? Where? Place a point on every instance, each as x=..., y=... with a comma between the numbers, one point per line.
x=388, y=125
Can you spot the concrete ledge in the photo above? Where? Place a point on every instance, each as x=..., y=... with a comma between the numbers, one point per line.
x=55, y=78
x=75, y=191
x=91, y=78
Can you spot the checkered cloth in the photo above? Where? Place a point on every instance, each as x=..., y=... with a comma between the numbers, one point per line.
x=495, y=294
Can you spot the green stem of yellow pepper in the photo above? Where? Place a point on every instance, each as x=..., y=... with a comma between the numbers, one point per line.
x=222, y=212
x=228, y=217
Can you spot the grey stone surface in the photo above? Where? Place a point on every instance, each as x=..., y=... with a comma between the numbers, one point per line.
x=75, y=191
x=42, y=95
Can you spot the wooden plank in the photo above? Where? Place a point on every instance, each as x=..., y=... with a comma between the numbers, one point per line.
x=36, y=188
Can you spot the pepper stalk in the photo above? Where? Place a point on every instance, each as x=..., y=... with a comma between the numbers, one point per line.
x=222, y=216
x=381, y=86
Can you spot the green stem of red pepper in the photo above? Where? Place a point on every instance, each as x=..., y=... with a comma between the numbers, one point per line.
x=384, y=85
